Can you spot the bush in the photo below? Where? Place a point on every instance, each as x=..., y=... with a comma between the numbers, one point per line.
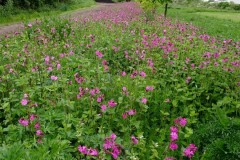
x=236, y=7
x=7, y=9
x=223, y=5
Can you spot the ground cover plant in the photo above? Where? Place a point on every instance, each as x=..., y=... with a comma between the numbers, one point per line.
x=116, y=85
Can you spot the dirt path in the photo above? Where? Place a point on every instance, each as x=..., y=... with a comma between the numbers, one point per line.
x=81, y=12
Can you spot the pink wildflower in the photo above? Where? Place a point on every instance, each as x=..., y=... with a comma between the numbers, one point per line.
x=23, y=122
x=173, y=146
x=104, y=62
x=99, y=54
x=113, y=136
x=111, y=103
x=190, y=150
x=149, y=88
x=50, y=69
x=134, y=74
x=124, y=115
x=174, y=136
x=39, y=133
x=24, y=102
x=123, y=73
x=99, y=99
x=134, y=140
x=216, y=55
x=39, y=140
x=25, y=95
x=47, y=59
x=188, y=79
x=144, y=100
x=193, y=65
x=174, y=129
x=83, y=149
x=58, y=66
x=29, y=25
x=131, y=112
x=54, y=78
x=181, y=121
x=103, y=107
x=93, y=152
x=32, y=117
x=143, y=74
x=37, y=125
x=92, y=92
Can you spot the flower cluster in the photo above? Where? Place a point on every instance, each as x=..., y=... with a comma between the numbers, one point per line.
x=32, y=121
x=134, y=140
x=24, y=101
x=111, y=147
x=88, y=151
x=99, y=54
x=129, y=113
x=190, y=150
x=173, y=137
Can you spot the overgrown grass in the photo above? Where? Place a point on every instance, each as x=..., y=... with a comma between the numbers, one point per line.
x=46, y=11
x=223, y=24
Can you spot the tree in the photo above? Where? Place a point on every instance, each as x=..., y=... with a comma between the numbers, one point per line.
x=164, y=2
x=153, y=4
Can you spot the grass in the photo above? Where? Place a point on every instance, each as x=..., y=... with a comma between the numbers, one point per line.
x=223, y=24
x=235, y=17
x=26, y=15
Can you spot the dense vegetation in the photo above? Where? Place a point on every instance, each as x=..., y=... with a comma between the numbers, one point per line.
x=34, y=4
x=13, y=11
x=118, y=85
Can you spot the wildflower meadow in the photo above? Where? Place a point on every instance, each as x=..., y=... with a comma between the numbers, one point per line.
x=117, y=85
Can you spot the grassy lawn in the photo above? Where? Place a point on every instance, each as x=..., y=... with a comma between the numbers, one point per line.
x=227, y=15
x=222, y=24
x=26, y=15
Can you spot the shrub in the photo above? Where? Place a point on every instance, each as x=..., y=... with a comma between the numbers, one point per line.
x=236, y=7
x=223, y=5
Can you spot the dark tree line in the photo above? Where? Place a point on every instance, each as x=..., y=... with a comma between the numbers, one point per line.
x=34, y=4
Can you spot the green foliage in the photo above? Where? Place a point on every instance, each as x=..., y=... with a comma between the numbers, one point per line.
x=223, y=5
x=55, y=65
x=18, y=13
x=148, y=4
x=236, y=7
x=7, y=9
x=219, y=139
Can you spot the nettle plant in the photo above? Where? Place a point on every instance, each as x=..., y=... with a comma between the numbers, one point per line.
x=110, y=86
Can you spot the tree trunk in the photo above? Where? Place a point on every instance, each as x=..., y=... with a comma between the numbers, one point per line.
x=165, y=12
